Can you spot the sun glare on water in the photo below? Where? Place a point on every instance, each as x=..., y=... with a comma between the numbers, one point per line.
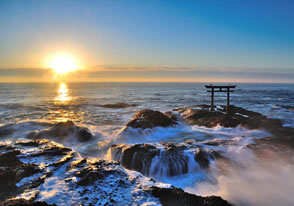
x=62, y=64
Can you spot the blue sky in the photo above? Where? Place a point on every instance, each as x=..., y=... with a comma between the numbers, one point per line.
x=212, y=36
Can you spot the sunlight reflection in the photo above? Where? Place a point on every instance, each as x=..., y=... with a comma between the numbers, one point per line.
x=63, y=94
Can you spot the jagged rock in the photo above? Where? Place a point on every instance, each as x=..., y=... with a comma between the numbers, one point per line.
x=28, y=166
x=148, y=119
x=62, y=130
x=175, y=196
x=13, y=169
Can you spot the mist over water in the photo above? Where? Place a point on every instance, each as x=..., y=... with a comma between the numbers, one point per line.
x=253, y=180
x=241, y=177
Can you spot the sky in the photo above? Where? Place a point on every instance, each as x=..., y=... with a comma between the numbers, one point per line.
x=154, y=40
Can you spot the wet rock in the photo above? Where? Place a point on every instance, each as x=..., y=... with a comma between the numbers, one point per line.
x=84, y=134
x=287, y=107
x=61, y=131
x=202, y=158
x=28, y=166
x=175, y=196
x=149, y=118
x=172, y=115
x=24, y=202
x=236, y=116
x=17, y=163
x=118, y=105
x=167, y=159
x=6, y=130
x=137, y=157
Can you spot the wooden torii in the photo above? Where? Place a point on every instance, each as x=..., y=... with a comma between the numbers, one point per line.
x=227, y=89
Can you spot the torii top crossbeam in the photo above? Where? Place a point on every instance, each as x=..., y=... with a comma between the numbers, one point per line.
x=228, y=89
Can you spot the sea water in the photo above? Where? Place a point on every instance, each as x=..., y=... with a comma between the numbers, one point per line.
x=104, y=108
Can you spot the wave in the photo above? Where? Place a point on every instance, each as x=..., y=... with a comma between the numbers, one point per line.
x=252, y=180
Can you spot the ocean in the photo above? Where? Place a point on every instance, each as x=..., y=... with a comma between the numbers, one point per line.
x=105, y=108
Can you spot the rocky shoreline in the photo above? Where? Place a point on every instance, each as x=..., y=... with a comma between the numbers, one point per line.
x=28, y=166
x=29, y=169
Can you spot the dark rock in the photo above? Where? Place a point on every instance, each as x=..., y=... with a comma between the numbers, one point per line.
x=88, y=177
x=202, y=158
x=6, y=130
x=175, y=196
x=84, y=134
x=171, y=159
x=118, y=105
x=138, y=157
x=13, y=170
x=23, y=202
x=148, y=119
x=105, y=180
x=234, y=117
x=61, y=131
x=172, y=115
x=287, y=107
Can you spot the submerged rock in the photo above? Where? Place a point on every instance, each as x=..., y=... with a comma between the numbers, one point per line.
x=42, y=172
x=118, y=105
x=287, y=107
x=167, y=159
x=149, y=118
x=61, y=131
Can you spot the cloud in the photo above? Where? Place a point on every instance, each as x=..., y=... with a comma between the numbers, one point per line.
x=155, y=73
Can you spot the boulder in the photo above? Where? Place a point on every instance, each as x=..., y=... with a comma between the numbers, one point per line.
x=61, y=131
x=149, y=118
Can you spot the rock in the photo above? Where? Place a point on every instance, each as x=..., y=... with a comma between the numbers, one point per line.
x=235, y=117
x=61, y=131
x=137, y=157
x=287, y=107
x=166, y=159
x=23, y=202
x=202, y=158
x=117, y=105
x=175, y=196
x=13, y=170
x=84, y=134
x=149, y=119
x=26, y=166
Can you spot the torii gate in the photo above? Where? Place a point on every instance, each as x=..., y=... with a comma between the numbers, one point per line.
x=227, y=89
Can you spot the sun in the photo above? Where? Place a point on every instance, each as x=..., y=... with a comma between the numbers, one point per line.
x=62, y=63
